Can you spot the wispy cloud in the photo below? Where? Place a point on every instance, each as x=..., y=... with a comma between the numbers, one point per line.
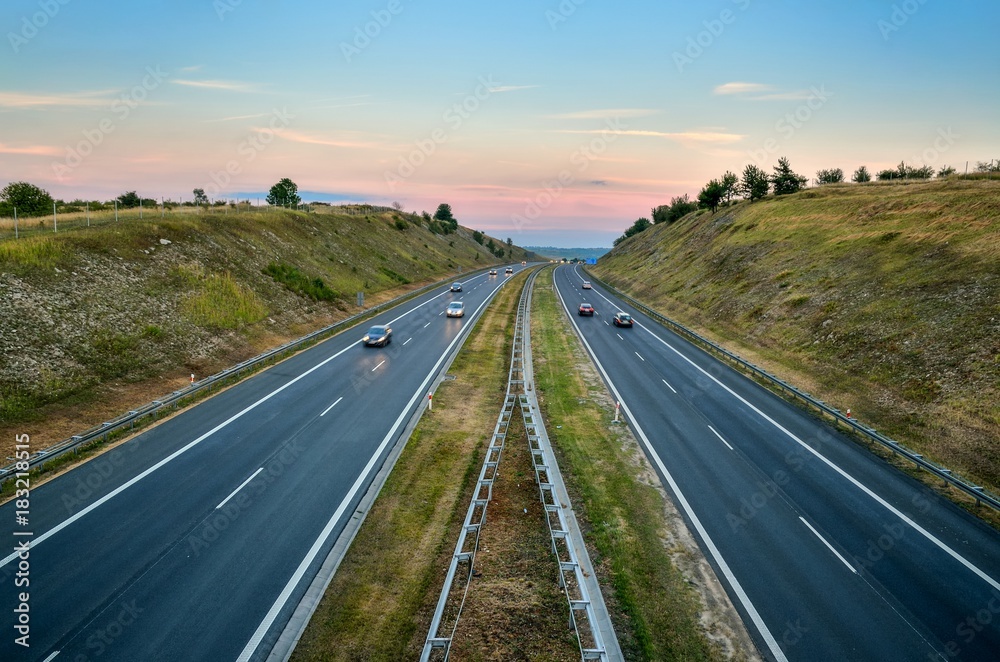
x=240, y=117
x=716, y=137
x=741, y=88
x=31, y=150
x=91, y=99
x=227, y=85
x=308, y=139
x=194, y=67
x=604, y=114
x=510, y=88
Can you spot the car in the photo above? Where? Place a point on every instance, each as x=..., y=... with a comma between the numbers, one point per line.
x=379, y=335
x=586, y=285
x=586, y=309
x=493, y=272
x=509, y=270
x=622, y=319
x=456, y=287
x=455, y=309
x=523, y=263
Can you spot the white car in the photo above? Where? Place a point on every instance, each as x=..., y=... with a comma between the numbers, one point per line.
x=586, y=284
x=455, y=309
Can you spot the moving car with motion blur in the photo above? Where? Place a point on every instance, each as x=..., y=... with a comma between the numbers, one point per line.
x=379, y=335
x=456, y=287
x=455, y=309
x=622, y=319
x=586, y=309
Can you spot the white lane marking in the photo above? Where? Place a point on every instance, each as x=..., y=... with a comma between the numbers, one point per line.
x=606, y=322
x=668, y=385
x=619, y=336
x=851, y=479
x=427, y=325
x=407, y=340
x=727, y=572
x=110, y=495
x=720, y=437
x=378, y=366
x=332, y=406
x=829, y=546
x=242, y=485
x=640, y=357
x=51, y=657
x=293, y=581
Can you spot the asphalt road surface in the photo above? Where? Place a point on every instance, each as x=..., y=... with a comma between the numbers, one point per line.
x=828, y=552
x=196, y=539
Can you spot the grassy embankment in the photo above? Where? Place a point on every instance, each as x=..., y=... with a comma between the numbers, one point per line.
x=98, y=320
x=380, y=602
x=878, y=298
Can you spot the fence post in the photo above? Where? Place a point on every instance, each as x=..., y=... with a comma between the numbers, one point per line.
x=116, y=210
x=55, y=221
x=15, y=223
x=88, y=213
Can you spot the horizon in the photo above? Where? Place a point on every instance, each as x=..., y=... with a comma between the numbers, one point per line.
x=531, y=122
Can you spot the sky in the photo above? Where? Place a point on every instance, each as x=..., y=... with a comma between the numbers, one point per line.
x=553, y=122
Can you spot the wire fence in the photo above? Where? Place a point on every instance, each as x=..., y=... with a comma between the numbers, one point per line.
x=73, y=217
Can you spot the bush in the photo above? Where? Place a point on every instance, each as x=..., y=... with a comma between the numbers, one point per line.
x=297, y=282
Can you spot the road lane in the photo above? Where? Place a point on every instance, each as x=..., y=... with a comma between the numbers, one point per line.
x=137, y=535
x=794, y=509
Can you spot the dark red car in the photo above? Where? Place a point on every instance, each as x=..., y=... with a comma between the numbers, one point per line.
x=586, y=309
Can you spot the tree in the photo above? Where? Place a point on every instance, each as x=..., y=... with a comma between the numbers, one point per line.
x=755, y=183
x=510, y=242
x=398, y=206
x=832, y=176
x=861, y=175
x=992, y=166
x=637, y=227
x=128, y=200
x=444, y=215
x=711, y=195
x=28, y=199
x=199, y=196
x=477, y=237
x=729, y=183
x=945, y=171
x=284, y=193
x=679, y=207
x=785, y=180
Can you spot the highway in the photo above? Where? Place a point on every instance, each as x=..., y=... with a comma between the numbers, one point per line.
x=196, y=539
x=827, y=551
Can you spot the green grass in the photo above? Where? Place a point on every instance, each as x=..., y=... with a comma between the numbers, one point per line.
x=224, y=303
x=625, y=517
x=882, y=298
x=293, y=279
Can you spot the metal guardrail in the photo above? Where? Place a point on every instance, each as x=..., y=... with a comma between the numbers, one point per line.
x=977, y=492
x=575, y=570
x=130, y=419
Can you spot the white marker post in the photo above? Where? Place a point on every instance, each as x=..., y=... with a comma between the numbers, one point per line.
x=617, y=407
x=430, y=401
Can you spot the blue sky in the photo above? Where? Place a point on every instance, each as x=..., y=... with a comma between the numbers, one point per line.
x=555, y=123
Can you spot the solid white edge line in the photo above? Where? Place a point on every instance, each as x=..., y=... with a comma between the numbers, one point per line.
x=286, y=592
x=828, y=545
x=720, y=437
x=854, y=481
x=668, y=385
x=242, y=485
x=110, y=495
x=741, y=595
x=332, y=406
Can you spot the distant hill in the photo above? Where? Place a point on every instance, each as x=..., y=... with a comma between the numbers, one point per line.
x=567, y=253
x=882, y=298
x=115, y=315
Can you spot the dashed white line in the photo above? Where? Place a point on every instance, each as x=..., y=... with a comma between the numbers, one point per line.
x=51, y=657
x=427, y=325
x=720, y=437
x=242, y=485
x=640, y=357
x=829, y=546
x=332, y=406
x=407, y=340
x=619, y=336
x=378, y=366
x=668, y=385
